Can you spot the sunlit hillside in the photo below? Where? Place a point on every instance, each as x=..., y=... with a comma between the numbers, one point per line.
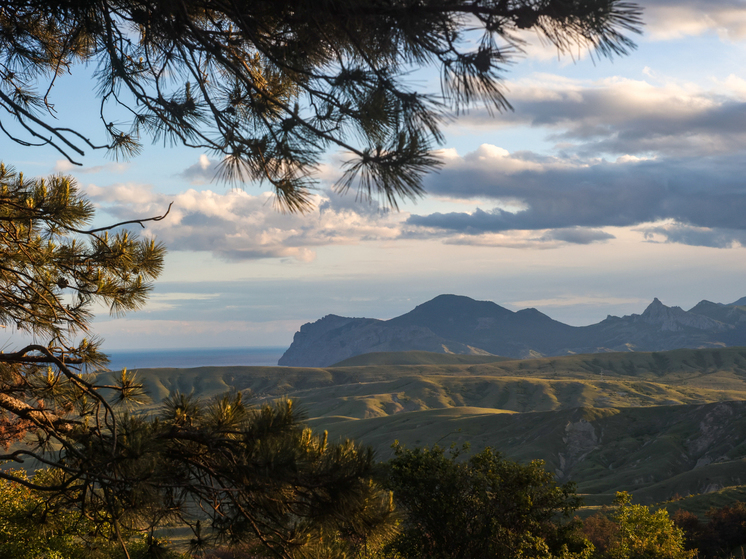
x=658, y=424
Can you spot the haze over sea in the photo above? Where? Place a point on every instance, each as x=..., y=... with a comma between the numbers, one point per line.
x=195, y=357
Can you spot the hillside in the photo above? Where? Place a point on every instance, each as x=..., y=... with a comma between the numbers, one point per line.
x=451, y=324
x=417, y=358
x=545, y=384
x=658, y=424
x=654, y=452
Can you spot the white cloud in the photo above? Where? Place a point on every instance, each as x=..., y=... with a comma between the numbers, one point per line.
x=239, y=226
x=64, y=166
x=674, y=19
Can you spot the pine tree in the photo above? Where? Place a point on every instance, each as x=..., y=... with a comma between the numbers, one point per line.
x=268, y=86
x=52, y=271
x=232, y=472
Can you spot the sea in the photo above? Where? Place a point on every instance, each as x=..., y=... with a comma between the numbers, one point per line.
x=194, y=357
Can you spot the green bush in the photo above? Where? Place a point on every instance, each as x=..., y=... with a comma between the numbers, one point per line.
x=485, y=506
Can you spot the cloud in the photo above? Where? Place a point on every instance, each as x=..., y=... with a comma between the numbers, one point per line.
x=201, y=172
x=674, y=19
x=64, y=166
x=696, y=236
x=628, y=117
x=627, y=152
x=570, y=199
x=578, y=235
x=239, y=226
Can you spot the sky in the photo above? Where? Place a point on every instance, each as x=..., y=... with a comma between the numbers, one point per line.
x=611, y=182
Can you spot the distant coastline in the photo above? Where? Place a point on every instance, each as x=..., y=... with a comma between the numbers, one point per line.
x=194, y=357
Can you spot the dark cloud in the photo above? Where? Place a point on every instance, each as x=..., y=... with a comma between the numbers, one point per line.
x=696, y=236
x=559, y=194
x=578, y=235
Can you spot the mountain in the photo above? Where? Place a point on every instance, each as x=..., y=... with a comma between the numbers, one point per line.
x=728, y=314
x=461, y=325
x=335, y=338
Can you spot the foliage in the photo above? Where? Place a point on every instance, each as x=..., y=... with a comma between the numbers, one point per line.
x=268, y=86
x=27, y=532
x=485, y=506
x=690, y=525
x=251, y=475
x=29, y=529
x=639, y=533
x=724, y=532
x=50, y=275
x=52, y=272
x=232, y=473
x=256, y=474
x=601, y=531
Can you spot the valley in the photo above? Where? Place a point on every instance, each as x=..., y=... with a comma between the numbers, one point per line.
x=661, y=425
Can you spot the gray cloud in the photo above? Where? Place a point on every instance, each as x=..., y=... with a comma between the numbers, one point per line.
x=628, y=117
x=679, y=156
x=696, y=236
x=570, y=193
x=201, y=172
x=578, y=235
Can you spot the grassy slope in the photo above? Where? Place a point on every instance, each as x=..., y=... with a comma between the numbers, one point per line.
x=416, y=358
x=612, y=380
x=609, y=421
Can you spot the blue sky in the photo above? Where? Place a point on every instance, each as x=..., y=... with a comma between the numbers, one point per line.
x=611, y=182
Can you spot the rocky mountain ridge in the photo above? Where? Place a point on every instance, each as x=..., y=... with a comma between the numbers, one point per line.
x=461, y=325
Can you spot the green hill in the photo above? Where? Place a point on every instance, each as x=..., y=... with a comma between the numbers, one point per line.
x=612, y=381
x=654, y=452
x=416, y=358
x=656, y=424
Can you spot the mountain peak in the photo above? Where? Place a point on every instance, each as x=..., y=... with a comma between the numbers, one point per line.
x=655, y=311
x=674, y=319
x=444, y=307
x=458, y=324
